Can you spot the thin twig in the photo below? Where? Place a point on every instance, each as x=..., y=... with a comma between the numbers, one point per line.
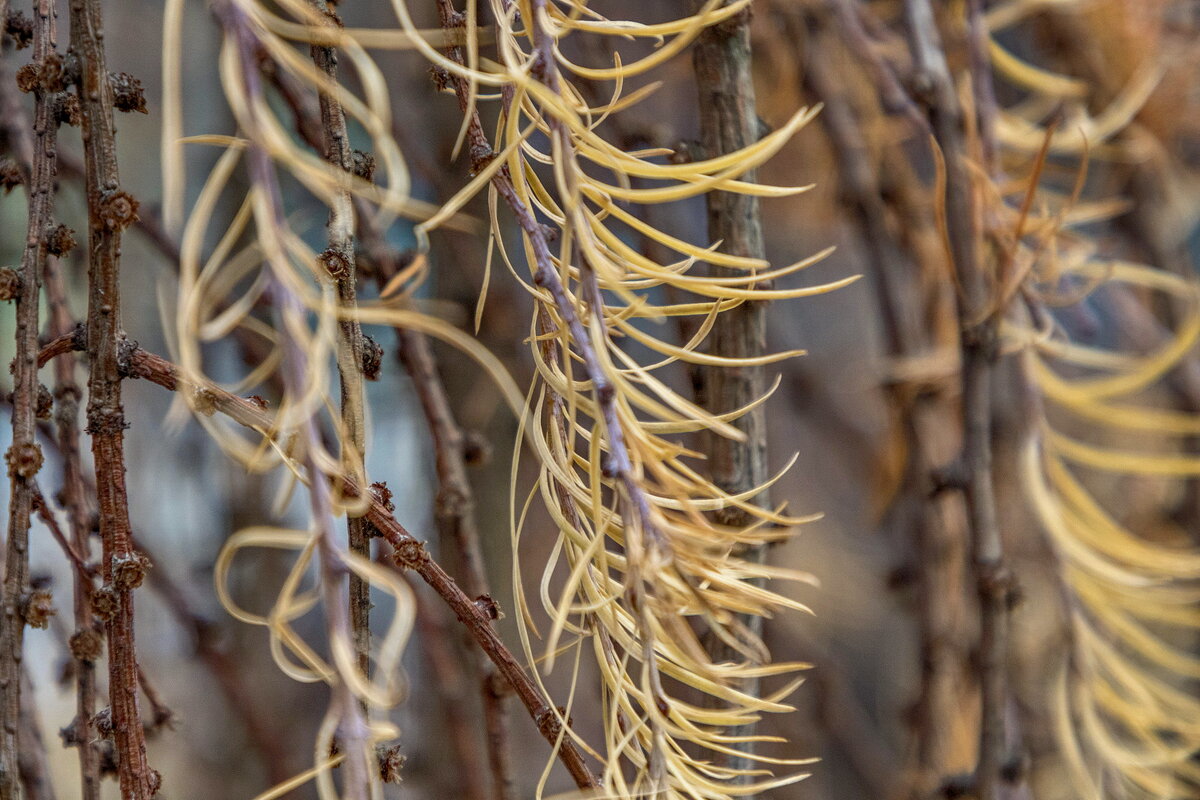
x=85, y=639
x=228, y=673
x=729, y=123
x=979, y=352
x=24, y=456
x=339, y=259
x=110, y=211
x=937, y=558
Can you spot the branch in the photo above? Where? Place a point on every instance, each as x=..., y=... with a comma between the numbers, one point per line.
x=979, y=353
x=35, y=772
x=937, y=558
x=24, y=456
x=85, y=644
x=409, y=553
x=339, y=259
x=729, y=123
x=110, y=211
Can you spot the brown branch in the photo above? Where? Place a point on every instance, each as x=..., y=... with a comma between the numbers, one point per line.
x=339, y=259
x=410, y=553
x=979, y=352
x=728, y=123
x=24, y=456
x=849, y=16
x=84, y=640
x=937, y=559
x=110, y=211
x=161, y=714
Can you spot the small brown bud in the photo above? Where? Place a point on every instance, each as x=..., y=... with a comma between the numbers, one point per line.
x=383, y=495
x=10, y=175
x=28, y=77
x=118, y=210
x=476, y=449
x=682, y=154
x=391, y=762
x=490, y=608
x=60, y=240
x=363, y=165
x=441, y=78
x=24, y=460
x=10, y=283
x=53, y=74
x=409, y=553
x=372, y=358
x=128, y=95
x=69, y=111
x=19, y=27
x=204, y=401
x=103, y=723
x=335, y=263
x=44, y=407
x=107, y=752
x=128, y=571
x=38, y=608
x=105, y=603
x=87, y=645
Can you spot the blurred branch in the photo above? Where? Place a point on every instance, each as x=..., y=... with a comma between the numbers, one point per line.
x=35, y=772
x=937, y=556
x=446, y=675
x=722, y=62
x=978, y=345
x=85, y=640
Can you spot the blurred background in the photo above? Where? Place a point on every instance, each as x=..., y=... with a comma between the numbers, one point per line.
x=869, y=412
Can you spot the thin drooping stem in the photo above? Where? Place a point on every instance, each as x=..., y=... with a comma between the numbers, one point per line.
x=85, y=641
x=339, y=260
x=410, y=554
x=729, y=123
x=110, y=211
x=24, y=456
x=978, y=346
